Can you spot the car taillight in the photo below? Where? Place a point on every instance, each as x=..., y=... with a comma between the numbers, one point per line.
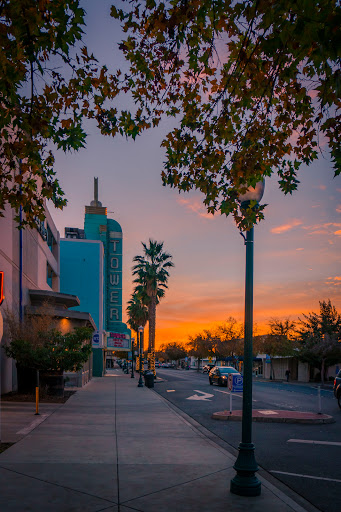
x=334, y=382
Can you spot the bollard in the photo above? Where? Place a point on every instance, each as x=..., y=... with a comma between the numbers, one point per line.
x=37, y=394
x=230, y=402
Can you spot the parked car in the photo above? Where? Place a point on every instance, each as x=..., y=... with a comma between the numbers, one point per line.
x=207, y=368
x=337, y=388
x=219, y=375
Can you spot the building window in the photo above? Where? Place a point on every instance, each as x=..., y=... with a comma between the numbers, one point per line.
x=51, y=241
x=49, y=275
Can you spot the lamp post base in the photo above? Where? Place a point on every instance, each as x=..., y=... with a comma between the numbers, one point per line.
x=140, y=384
x=245, y=483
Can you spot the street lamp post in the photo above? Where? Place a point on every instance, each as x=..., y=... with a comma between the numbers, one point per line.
x=132, y=358
x=141, y=330
x=245, y=482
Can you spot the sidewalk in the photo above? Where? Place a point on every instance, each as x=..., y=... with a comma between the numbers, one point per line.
x=115, y=447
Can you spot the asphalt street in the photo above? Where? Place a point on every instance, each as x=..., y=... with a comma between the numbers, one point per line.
x=307, y=458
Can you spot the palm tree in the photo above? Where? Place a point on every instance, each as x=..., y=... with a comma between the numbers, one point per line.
x=151, y=280
x=137, y=313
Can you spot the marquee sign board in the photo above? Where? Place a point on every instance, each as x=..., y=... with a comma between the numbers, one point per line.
x=118, y=341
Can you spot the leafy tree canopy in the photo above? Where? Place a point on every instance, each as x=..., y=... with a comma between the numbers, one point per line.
x=254, y=84
x=46, y=90
x=319, y=335
x=173, y=351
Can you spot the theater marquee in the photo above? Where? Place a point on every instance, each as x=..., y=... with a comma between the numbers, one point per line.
x=118, y=341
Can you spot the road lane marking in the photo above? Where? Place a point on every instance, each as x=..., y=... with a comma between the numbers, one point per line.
x=170, y=390
x=267, y=412
x=233, y=394
x=203, y=396
x=306, y=476
x=306, y=441
x=32, y=425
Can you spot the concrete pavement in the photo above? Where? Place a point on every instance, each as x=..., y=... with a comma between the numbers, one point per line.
x=116, y=447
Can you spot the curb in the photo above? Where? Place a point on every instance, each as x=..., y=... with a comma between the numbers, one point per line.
x=276, y=417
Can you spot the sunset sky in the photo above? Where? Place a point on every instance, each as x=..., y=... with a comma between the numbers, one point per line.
x=297, y=246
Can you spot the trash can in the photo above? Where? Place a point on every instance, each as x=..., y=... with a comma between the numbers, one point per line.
x=149, y=379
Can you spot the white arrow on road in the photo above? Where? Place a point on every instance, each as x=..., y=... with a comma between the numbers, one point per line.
x=203, y=396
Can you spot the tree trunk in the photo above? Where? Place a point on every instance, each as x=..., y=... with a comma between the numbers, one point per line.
x=272, y=373
x=152, y=322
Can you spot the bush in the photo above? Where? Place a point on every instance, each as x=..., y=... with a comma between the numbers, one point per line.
x=53, y=351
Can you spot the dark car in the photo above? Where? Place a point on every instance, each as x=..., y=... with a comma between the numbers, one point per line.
x=219, y=375
x=207, y=368
x=337, y=388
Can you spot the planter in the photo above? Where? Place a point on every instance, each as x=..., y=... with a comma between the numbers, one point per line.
x=53, y=382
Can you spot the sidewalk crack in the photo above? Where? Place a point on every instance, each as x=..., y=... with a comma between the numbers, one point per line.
x=176, y=485
x=59, y=485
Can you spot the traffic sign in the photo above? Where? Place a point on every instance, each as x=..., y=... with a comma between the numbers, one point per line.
x=235, y=382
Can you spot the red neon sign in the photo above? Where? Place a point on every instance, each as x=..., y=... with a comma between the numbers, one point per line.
x=1, y=287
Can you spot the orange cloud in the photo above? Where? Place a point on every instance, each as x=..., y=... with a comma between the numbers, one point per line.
x=337, y=232
x=322, y=229
x=286, y=227
x=334, y=281
x=196, y=207
x=338, y=208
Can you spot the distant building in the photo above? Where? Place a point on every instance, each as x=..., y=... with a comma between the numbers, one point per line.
x=92, y=268
x=74, y=233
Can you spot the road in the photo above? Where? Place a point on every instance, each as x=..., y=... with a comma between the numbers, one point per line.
x=285, y=450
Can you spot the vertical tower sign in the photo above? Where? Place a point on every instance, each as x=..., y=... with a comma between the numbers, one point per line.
x=114, y=286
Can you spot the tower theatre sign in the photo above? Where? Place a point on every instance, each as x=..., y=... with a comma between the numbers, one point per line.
x=114, y=286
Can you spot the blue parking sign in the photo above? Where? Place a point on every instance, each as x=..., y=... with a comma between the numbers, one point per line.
x=235, y=382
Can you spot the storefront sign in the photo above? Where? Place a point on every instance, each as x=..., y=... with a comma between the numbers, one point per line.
x=95, y=339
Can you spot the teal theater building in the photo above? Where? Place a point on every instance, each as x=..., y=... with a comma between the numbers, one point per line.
x=91, y=268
